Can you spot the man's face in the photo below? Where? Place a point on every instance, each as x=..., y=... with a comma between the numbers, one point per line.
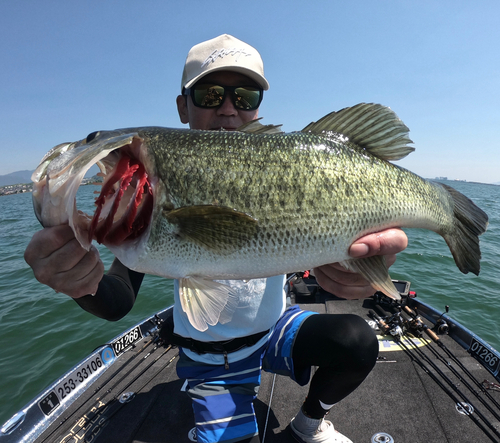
x=226, y=116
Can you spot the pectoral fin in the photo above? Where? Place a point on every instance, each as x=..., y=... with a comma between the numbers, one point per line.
x=206, y=302
x=217, y=228
x=374, y=269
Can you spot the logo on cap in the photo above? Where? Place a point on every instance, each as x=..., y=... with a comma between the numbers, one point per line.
x=221, y=53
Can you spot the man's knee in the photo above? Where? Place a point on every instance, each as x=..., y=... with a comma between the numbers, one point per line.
x=337, y=340
x=361, y=342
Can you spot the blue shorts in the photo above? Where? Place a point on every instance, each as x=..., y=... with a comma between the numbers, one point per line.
x=223, y=398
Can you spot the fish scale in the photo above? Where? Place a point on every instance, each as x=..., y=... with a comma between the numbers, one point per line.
x=310, y=196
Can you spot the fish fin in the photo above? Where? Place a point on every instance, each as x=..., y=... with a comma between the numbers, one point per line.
x=374, y=269
x=206, y=301
x=256, y=127
x=470, y=222
x=372, y=127
x=227, y=313
x=217, y=228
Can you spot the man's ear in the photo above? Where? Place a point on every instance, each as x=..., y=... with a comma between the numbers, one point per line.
x=182, y=108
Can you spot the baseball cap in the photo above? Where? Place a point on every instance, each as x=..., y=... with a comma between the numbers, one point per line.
x=223, y=53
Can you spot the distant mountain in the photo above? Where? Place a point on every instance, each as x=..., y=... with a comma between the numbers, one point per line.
x=15, y=178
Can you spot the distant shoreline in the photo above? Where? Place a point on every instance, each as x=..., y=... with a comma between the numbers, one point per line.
x=22, y=188
x=16, y=189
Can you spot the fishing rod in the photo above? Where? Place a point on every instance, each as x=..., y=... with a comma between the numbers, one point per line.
x=99, y=414
x=395, y=326
x=420, y=326
x=461, y=394
x=470, y=413
x=100, y=403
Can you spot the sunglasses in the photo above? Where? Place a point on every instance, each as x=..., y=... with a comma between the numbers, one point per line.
x=246, y=98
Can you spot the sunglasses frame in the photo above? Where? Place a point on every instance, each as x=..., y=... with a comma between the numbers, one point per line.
x=227, y=90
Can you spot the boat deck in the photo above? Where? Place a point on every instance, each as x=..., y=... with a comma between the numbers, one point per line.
x=398, y=398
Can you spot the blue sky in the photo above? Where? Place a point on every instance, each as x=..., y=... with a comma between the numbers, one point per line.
x=69, y=68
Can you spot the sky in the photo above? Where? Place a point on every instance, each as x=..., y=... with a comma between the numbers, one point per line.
x=69, y=68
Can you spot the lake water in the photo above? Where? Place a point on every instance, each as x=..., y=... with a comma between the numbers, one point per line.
x=44, y=334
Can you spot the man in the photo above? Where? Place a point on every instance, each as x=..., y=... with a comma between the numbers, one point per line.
x=222, y=87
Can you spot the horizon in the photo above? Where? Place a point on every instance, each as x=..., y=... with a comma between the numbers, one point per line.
x=438, y=178
x=78, y=67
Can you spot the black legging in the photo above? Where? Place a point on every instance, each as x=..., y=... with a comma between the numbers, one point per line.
x=345, y=349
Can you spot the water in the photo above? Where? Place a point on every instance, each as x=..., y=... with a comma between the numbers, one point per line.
x=44, y=334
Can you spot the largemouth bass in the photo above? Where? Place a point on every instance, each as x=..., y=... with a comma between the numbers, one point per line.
x=201, y=206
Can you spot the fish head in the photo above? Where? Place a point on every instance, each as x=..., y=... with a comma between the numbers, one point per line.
x=125, y=204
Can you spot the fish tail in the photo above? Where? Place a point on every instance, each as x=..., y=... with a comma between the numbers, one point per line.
x=469, y=223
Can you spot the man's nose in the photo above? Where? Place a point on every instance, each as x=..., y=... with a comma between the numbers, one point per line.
x=227, y=107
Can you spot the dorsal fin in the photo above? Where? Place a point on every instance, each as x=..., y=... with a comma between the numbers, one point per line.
x=256, y=127
x=370, y=126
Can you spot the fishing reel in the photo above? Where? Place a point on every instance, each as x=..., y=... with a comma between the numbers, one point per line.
x=441, y=326
x=415, y=326
x=399, y=321
x=389, y=324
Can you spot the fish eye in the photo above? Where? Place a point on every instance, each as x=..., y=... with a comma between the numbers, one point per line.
x=91, y=136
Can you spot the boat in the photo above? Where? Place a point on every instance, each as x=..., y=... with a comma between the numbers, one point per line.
x=434, y=381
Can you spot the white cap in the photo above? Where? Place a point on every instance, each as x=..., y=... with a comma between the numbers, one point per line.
x=223, y=53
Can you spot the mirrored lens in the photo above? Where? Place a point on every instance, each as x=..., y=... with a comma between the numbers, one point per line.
x=247, y=97
x=208, y=96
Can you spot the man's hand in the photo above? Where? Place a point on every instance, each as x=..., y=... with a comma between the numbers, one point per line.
x=336, y=279
x=58, y=261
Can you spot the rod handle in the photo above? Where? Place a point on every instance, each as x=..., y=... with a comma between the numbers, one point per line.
x=409, y=311
x=432, y=335
x=380, y=322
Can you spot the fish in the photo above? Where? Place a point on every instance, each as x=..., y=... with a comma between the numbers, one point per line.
x=208, y=206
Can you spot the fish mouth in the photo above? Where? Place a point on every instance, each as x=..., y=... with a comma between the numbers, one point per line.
x=124, y=205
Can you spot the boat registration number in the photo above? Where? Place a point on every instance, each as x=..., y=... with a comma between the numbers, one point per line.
x=125, y=341
x=71, y=383
x=490, y=360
